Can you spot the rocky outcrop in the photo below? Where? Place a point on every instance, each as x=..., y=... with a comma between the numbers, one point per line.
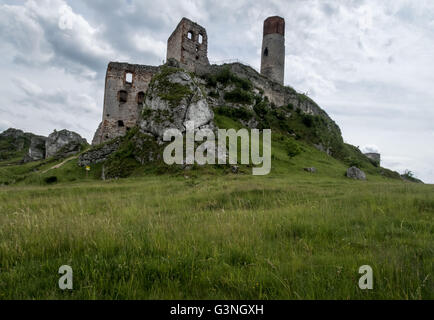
x=14, y=144
x=97, y=138
x=12, y=133
x=64, y=143
x=36, y=150
x=15, y=137
x=99, y=153
x=356, y=173
x=173, y=98
x=311, y=170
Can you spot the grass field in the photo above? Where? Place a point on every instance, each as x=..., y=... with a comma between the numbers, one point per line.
x=216, y=236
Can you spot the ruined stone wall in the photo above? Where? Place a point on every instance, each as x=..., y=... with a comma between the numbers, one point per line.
x=376, y=157
x=277, y=94
x=189, y=45
x=273, y=49
x=125, y=89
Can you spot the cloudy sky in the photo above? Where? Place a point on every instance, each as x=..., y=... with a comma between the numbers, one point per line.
x=369, y=64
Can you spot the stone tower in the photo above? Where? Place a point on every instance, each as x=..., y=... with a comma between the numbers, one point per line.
x=125, y=88
x=188, y=44
x=273, y=49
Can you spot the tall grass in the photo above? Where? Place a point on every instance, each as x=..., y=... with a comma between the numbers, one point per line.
x=232, y=237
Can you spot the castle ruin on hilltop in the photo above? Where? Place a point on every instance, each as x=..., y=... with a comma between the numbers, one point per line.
x=126, y=84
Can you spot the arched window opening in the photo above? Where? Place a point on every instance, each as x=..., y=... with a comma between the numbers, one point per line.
x=200, y=40
x=266, y=52
x=190, y=35
x=121, y=123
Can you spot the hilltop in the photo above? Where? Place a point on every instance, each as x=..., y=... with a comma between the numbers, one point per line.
x=229, y=96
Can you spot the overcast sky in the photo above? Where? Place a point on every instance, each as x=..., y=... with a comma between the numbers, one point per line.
x=368, y=64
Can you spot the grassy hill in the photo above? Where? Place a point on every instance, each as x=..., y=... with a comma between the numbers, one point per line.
x=218, y=236
x=206, y=233
x=165, y=232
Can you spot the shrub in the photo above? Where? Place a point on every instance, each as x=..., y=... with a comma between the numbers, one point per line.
x=353, y=162
x=234, y=113
x=50, y=180
x=292, y=147
x=225, y=76
x=261, y=108
x=214, y=94
x=239, y=95
x=308, y=120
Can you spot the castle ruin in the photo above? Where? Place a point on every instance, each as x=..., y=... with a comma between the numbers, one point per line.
x=375, y=157
x=188, y=44
x=273, y=49
x=126, y=84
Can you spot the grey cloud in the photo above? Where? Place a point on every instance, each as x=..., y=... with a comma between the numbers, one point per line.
x=366, y=63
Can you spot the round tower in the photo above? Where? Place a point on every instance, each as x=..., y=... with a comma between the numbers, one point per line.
x=273, y=49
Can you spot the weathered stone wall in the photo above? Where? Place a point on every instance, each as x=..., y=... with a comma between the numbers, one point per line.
x=276, y=93
x=376, y=157
x=123, y=98
x=273, y=49
x=191, y=53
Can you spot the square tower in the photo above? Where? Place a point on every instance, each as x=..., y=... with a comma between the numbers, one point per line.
x=188, y=44
x=125, y=88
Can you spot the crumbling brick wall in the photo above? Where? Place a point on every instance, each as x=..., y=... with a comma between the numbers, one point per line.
x=125, y=89
x=189, y=45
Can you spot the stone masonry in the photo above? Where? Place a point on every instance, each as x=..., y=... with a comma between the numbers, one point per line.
x=125, y=88
x=376, y=157
x=188, y=44
x=126, y=84
x=273, y=49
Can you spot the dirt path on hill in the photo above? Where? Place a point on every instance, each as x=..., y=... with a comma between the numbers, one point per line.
x=57, y=166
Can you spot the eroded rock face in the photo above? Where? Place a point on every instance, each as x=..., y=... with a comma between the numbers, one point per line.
x=356, y=173
x=36, y=150
x=173, y=98
x=64, y=143
x=97, y=137
x=15, y=137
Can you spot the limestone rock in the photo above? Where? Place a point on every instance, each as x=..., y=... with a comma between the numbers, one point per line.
x=311, y=170
x=64, y=143
x=356, y=173
x=14, y=144
x=36, y=150
x=174, y=98
x=97, y=138
x=12, y=133
x=15, y=137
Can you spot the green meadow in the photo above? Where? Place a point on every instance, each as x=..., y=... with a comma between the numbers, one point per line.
x=214, y=235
